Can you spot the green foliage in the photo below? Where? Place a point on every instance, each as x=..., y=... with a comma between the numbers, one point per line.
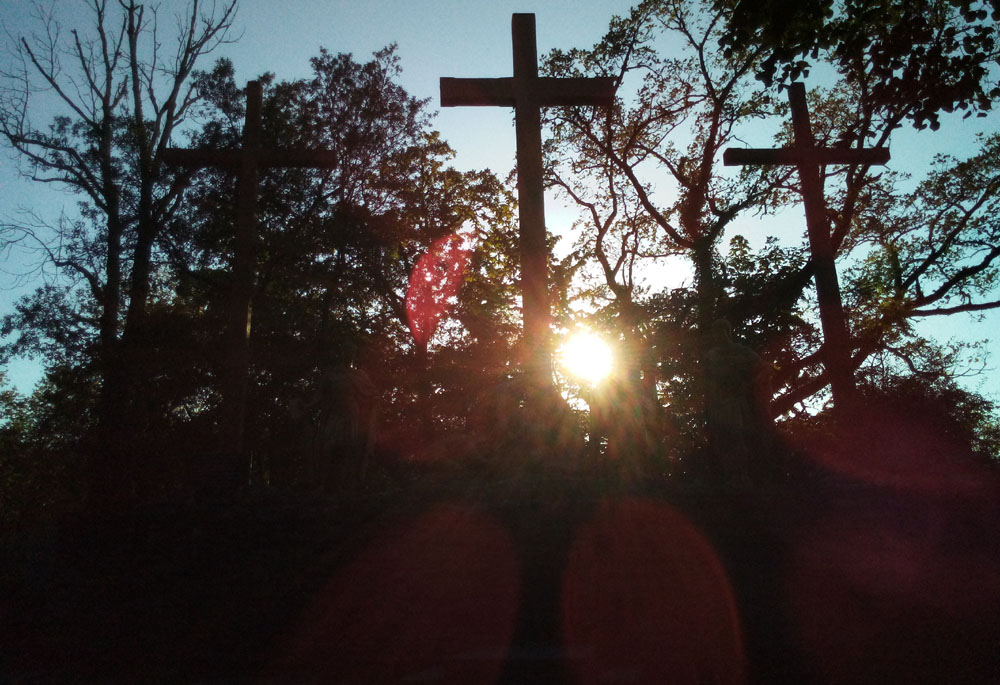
x=766, y=305
x=647, y=179
x=767, y=312
x=963, y=420
x=42, y=465
x=931, y=252
x=335, y=249
x=921, y=57
x=49, y=324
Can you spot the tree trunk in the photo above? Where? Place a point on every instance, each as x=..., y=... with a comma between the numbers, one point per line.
x=424, y=394
x=108, y=486
x=706, y=298
x=707, y=293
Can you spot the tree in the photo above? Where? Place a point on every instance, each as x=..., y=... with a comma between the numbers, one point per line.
x=897, y=61
x=961, y=423
x=656, y=165
x=646, y=175
x=773, y=321
x=116, y=101
x=930, y=252
x=41, y=461
x=918, y=57
x=687, y=108
x=336, y=248
x=871, y=101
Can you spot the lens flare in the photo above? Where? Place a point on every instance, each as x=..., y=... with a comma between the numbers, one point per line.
x=434, y=284
x=587, y=356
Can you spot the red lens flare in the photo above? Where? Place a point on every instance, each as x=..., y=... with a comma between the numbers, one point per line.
x=434, y=600
x=434, y=283
x=897, y=588
x=646, y=599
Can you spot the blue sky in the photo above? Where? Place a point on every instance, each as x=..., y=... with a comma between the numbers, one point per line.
x=435, y=39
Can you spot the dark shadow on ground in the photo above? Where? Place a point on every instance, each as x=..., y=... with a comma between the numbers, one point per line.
x=814, y=578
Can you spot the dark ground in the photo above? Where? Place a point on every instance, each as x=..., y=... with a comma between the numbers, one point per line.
x=553, y=579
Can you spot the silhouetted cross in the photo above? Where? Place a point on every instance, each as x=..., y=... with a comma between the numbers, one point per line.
x=526, y=92
x=808, y=158
x=245, y=162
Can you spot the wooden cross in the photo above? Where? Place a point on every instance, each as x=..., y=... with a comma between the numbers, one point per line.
x=808, y=158
x=245, y=162
x=527, y=93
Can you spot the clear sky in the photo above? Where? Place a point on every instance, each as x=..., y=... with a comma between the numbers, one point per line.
x=436, y=38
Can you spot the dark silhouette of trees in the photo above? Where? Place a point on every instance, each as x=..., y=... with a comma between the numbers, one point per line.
x=649, y=180
x=131, y=330
x=118, y=98
x=336, y=251
x=395, y=451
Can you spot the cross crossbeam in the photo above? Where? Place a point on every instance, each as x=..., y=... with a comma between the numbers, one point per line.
x=547, y=92
x=808, y=158
x=527, y=92
x=261, y=158
x=245, y=163
x=735, y=156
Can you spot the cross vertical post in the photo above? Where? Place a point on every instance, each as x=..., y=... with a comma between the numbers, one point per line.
x=831, y=309
x=527, y=92
x=237, y=347
x=531, y=197
x=246, y=164
x=808, y=158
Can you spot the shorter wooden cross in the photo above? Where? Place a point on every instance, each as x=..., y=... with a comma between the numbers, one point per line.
x=245, y=163
x=808, y=158
x=527, y=93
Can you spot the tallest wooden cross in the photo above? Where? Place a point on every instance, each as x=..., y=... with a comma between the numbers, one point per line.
x=527, y=93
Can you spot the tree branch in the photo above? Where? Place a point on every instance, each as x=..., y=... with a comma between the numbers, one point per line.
x=958, y=309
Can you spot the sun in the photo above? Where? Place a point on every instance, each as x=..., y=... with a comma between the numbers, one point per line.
x=587, y=356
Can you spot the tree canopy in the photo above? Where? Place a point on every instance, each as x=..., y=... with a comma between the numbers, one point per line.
x=925, y=57
x=395, y=275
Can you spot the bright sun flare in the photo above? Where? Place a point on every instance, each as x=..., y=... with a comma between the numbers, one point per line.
x=587, y=356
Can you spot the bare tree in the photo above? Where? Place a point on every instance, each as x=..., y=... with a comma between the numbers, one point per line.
x=111, y=96
x=646, y=175
x=686, y=100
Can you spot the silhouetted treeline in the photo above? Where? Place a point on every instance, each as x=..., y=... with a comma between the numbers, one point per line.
x=353, y=360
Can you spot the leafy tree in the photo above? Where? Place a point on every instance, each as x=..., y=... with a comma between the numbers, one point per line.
x=773, y=321
x=963, y=422
x=896, y=60
x=687, y=107
x=930, y=252
x=655, y=164
x=337, y=247
x=935, y=249
x=645, y=175
x=916, y=57
x=942, y=232
x=41, y=460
